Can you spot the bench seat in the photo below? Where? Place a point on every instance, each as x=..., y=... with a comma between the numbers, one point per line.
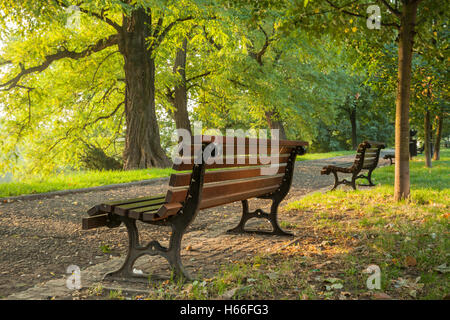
x=239, y=172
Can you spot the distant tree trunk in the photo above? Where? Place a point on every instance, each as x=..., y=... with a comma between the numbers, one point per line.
x=180, y=114
x=405, y=46
x=427, y=139
x=437, y=143
x=275, y=123
x=353, y=123
x=142, y=142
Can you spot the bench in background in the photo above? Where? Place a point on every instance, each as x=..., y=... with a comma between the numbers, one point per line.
x=367, y=156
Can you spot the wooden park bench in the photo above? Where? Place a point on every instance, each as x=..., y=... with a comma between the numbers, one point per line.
x=206, y=184
x=367, y=156
x=390, y=157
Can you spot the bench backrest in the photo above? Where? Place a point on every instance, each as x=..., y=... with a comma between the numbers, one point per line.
x=237, y=169
x=368, y=154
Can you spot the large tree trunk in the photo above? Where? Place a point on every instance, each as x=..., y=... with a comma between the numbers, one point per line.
x=406, y=38
x=275, y=123
x=142, y=142
x=437, y=143
x=180, y=114
x=427, y=139
x=353, y=123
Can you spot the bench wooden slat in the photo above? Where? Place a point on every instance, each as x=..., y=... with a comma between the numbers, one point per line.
x=232, y=197
x=109, y=206
x=95, y=210
x=166, y=210
x=225, y=150
x=238, y=161
x=206, y=139
x=214, y=189
x=183, y=179
x=123, y=209
x=137, y=213
x=94, y=221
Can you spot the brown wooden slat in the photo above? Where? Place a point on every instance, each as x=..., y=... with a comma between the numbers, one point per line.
x=123, y=209
x=95, y=210
x=183, y=179
x=369, y=159
x=94, y=222
x=370, y=154
x=368, y=164
x=237, y=162
x=232, y=197
x=224, y=150
x=377, y=144
x=137, y=213
x=237, y=140
x=165, y=211
x=109, y=206
x=216, y=189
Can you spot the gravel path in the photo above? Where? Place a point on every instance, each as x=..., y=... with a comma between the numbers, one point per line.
x=40, y=238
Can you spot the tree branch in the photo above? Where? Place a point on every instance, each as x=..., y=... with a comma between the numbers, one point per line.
x=199, y=76
x=341, y=9
x=61, y=54
x=391, y=8
x=163, y=34
x=100, y=15
x=103, y=117
x=211, y=40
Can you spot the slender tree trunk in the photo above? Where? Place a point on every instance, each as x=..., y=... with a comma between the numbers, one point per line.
x=437, y=143
x=180, y=114
x=142, y=142
x=405, y=46
x=353, y=123
x=275, y=123
x=427, y=139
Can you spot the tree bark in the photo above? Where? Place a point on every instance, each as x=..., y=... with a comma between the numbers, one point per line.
x=142, y=142
x=275, y=123
x=352, y=114
x=406, y=40
x=180, y=114
x=427, y=139
x=437, y=143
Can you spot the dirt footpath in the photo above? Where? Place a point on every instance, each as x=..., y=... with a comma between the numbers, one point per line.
x=40, y=238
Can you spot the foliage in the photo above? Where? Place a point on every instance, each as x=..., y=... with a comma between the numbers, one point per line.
x=300, y=62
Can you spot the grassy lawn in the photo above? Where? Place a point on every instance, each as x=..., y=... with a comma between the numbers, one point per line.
x=324, y=155
x=339, y=235
x=78, y=180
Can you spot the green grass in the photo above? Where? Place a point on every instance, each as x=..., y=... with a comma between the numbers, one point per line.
x=324, y=155
x=76, y=180
x=86, y=179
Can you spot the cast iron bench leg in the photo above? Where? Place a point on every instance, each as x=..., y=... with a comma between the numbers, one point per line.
x=135, y=250
x=258, y=213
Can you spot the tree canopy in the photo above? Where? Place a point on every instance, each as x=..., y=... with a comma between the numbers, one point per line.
x=117, y=77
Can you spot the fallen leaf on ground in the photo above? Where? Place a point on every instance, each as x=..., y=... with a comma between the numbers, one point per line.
x=410, y=261
x=229, y=293
x=381, y=296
